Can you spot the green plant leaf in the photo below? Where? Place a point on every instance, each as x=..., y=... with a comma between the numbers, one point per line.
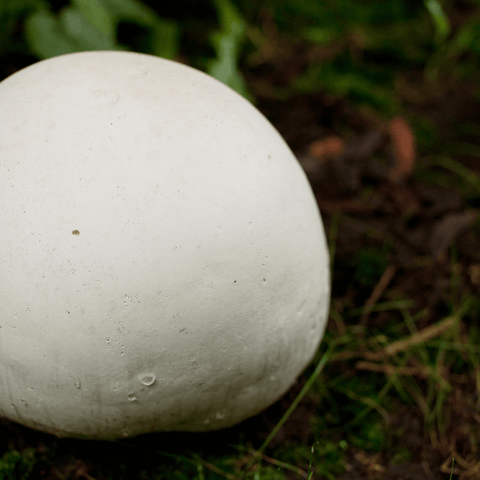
x=11, y=14
x=165, y=39
x=442, y=25
x=131, y=11
x=16, y=465
x=226, y=43
x=97, y=15
x=49, y=36
x=45, y=36
x=320, y=35
x=92, y=25
x=165, y=34
x=85, y=34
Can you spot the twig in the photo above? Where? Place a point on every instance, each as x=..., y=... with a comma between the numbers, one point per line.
x=377, y=292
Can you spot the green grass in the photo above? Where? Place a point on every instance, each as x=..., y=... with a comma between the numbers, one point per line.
x=17, y=466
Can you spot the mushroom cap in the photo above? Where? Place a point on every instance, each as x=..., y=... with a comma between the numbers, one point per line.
x=164, y=264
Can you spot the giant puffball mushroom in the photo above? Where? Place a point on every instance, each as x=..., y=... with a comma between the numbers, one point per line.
x=163, y=261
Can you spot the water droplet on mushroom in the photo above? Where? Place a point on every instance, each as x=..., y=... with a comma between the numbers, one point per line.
x=132, y=397
x=77, y=383
x=147, y=379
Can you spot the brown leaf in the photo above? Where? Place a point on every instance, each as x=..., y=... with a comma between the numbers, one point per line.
x=327, y=148
x=404, y=149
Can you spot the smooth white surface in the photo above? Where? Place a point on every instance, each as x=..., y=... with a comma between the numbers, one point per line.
x=163, y=261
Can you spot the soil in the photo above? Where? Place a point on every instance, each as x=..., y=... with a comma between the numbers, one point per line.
x=424, y=219
x=421, y=217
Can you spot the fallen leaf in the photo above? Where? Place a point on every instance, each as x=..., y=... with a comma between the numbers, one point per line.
x=327, y=148
x=404, y=149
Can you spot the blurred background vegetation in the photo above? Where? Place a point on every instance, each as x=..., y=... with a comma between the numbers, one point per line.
x=351, y=48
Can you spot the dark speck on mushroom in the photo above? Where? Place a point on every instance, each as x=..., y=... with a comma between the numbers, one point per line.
x=75, y=232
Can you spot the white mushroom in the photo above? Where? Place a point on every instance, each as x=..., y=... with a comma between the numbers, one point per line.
x=163, y=261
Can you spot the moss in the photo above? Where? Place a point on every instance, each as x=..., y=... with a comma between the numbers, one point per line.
x=17, y=466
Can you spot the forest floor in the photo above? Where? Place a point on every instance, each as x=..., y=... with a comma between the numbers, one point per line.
x=400, y=396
